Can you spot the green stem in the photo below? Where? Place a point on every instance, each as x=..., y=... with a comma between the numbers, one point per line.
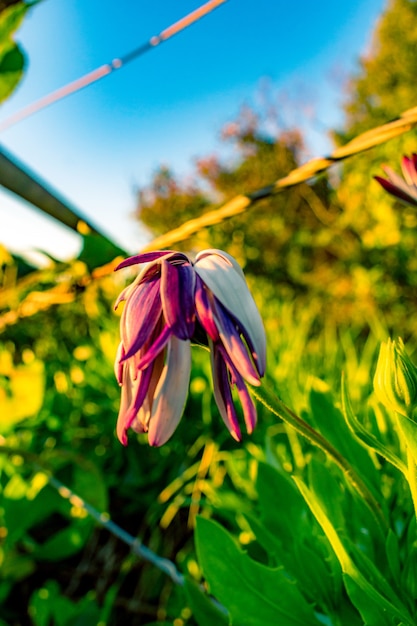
x=267, y=397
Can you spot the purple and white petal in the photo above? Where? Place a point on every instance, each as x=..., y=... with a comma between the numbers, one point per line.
x=204, y=309
x=171, y=392
x=248, y=406
x=232, y=291
x=222, y=392
x=118, y=365
x=154, y=349
x=224, y=255
x=408, y=166
x=146, y=257
x=234, y=346
x=140, y=316
x=177, y=294
x=133, y=394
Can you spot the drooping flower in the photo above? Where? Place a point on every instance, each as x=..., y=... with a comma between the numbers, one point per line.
x=173, y=302
x=404, y=189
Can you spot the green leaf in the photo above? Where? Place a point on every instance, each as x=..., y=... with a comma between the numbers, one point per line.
x=48, y=605
x=273, y=489
x=329, y=420
x=393, y=554
x=291, y=538
x=23, y=509
x=204, y=610
x=313, y=569
x=372, y=612
x=12, y=64
x=12, y=60
x=364, y=435
x=10, y=20
x=63, y=543
x=254, y=595
x=408, y=429
x=329, y=491
x=98, y=250
x=395, y=612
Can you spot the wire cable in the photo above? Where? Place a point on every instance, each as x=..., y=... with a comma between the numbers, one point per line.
x=108, y=68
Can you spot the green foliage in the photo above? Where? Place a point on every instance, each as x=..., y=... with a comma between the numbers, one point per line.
x=12, y=60
x=308, y=526
x=382, y=88
x=252, y=593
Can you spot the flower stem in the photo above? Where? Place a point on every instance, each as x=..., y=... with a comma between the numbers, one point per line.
x=268, y=398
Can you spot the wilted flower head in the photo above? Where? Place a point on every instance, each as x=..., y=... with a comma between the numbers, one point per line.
x=173, y=302
x=395, y=380
x=403, y=189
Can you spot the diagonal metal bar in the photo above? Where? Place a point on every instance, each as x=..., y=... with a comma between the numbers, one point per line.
x=18, y=179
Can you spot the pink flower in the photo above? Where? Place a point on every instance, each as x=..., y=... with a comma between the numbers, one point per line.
x=173, y=302
x=404, y=190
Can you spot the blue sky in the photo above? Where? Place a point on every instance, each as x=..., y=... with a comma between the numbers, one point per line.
x=168, y=106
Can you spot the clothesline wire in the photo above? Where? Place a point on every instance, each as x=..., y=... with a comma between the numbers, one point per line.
x=108, y=68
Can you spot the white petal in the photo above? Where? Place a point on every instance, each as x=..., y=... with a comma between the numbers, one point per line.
x=171, y=392
x=230, y=288
x=221, y=253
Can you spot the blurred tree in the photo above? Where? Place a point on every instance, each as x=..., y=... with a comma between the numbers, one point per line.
x=7, y=3
x=382, y=88
x=281, y=238
x=352, y=246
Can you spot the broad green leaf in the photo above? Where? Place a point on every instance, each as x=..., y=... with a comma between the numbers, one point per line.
x=329, y=421
x=16, y=566
x=314, y=571
x=408, y=577
x=286, y=533
x=204, y=610
x=12, y=60
x=12, y=64
x=364, y=436
x=408, y=428
x=372, y=612
x=63, y=543
x=282, y=509
x=22, y=511
x=98, y=250
x=395, y=612
x=48, y=605
x=393, y=555
x=10, y=20
x=254, y=595
x=329, y=491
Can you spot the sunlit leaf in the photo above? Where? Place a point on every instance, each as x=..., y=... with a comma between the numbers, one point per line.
x=12, y=60
x=364, y=435
x=254, y=595
x=394, y=610
x=12, y=64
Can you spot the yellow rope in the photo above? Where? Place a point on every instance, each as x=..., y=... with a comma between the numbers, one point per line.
x=369, y=139
x=33, y=303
